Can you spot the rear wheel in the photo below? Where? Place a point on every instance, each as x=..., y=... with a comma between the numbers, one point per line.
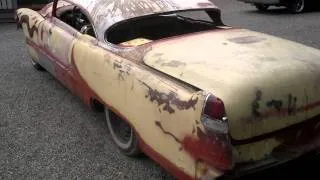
x=122, y=134
x=297, y=6
x=262, y=7
x=37, y=66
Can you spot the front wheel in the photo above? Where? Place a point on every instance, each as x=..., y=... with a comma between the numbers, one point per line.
x=122, y=134
x=297, y=6
x=262, y=7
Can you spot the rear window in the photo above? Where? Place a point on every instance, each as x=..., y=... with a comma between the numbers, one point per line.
x=150, y=28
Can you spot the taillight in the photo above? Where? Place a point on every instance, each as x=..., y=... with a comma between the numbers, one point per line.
x=214, y=116
x=212, y=143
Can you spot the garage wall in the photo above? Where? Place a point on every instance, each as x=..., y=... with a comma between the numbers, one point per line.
x=8, y=4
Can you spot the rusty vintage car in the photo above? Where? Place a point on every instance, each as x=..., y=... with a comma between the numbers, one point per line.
x=199, y=97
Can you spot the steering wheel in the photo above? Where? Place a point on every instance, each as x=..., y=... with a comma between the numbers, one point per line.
x=78, y=20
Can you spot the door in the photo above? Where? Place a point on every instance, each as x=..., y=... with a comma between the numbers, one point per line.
x=59, y=45
x=68, y=23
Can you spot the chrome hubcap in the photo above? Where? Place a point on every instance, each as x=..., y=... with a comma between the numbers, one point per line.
x=124, y=132
x=120, y=130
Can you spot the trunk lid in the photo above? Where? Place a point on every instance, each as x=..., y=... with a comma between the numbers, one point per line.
x=267, y=83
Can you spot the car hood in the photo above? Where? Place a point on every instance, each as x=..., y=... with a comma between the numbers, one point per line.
x=267, y=83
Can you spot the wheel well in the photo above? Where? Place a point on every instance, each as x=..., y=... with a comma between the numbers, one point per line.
x=96, y=105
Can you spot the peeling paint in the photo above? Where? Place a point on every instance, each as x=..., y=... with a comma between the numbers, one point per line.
x=31, y=29
x=169, y=99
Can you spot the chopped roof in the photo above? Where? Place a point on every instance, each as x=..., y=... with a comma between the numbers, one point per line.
x=106, y=13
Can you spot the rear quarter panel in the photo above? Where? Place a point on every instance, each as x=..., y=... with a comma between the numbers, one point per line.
x=162, y=112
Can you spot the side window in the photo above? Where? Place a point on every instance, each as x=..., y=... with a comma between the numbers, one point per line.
x=73, y=16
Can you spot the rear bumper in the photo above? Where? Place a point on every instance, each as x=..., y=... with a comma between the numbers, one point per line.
x=298, y=142
x=303, y=163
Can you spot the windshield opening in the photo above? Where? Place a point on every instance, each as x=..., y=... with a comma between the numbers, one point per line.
x=139, y=31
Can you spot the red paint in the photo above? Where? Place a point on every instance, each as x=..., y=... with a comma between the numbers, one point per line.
x=210, y=150
x=214, y=148
x=310, y=106
x=272, y=112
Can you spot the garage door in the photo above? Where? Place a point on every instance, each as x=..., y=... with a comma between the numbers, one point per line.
x=8, y=4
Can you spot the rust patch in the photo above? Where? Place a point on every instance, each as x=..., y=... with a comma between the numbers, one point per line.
x=31, y=30
x=246, y=39
x=174, y=64
x=169, y=99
